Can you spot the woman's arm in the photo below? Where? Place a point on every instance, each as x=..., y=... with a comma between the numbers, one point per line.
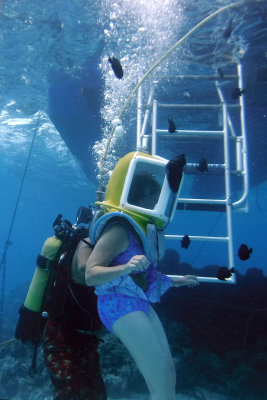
x=187, y=280
x=80, y=258
x=113, y=241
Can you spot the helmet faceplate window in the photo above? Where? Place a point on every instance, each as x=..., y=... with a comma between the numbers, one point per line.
x=146, y=189
x=146, y=185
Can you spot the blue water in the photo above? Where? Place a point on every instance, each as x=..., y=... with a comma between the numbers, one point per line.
x=54, y=67
x=49, y=56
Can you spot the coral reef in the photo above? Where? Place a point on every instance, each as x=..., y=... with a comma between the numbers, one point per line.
x=15, y=380
x=217, y=335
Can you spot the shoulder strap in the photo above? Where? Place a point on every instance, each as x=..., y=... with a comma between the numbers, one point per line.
x=155, y=239
x=53, y=301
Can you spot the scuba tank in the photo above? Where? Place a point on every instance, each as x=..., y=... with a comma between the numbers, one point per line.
x=44, y=265
x=32, y=318
x=33, y=312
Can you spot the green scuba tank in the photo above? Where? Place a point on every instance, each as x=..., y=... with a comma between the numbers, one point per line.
x=46, y=291
x=31, y=321
x=35, y=295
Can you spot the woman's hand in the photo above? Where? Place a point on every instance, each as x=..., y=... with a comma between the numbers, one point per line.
x=137, y=263
x=187, y=280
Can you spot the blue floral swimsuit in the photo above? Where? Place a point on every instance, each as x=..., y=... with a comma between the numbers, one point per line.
x=122, y=295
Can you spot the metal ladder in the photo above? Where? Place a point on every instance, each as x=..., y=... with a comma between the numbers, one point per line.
x=228, y=134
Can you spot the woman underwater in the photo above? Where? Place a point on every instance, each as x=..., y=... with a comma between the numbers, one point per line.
x=120, y=267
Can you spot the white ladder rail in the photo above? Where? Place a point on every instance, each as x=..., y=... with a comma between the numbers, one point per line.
x=241, y=142
x=228, y=204
x=245, y=170
x=142, y=139
x=227, y=134
x=228, y=188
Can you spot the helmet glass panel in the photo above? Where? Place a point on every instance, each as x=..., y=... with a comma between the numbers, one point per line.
x=146, y=185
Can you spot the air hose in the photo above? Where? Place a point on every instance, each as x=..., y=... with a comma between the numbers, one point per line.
x=180, y=41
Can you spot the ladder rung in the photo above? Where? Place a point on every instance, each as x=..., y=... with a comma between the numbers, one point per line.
x=208, y=279
x=189, y=134
x=199, y=238
x=164, y=105
x=213, y=169
x=203, y=201
x=201, y=207
x=210, y=166
x=204, y=77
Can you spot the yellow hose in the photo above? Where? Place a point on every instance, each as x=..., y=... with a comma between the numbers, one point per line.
x=151, y=69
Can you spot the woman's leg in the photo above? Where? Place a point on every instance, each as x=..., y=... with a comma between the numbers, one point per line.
x=144, y=337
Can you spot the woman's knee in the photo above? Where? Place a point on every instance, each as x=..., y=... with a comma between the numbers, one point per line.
x=163, y=378
x=149, y=350
x=168, y=372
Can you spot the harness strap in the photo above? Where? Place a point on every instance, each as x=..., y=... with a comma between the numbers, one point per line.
x=155, y=239
x=45, y=263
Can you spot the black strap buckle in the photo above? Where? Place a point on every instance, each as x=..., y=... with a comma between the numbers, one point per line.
x=44, y=262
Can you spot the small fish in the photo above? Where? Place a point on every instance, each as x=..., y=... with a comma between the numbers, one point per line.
x=185, y=242
x=228, y=31
x=237, y=92
x=116, y=66
x=224, y=273
x=220, y=72
x=244, y=252
x=202, y=165
x=174, y=172
x=172, y=126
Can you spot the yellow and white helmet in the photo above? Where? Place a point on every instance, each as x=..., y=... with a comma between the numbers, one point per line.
x=140, y=186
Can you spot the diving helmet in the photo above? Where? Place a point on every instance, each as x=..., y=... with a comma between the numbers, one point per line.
x=140, y=186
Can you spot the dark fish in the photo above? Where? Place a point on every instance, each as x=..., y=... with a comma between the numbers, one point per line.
x=174, y=171
x=172, y=127
x=202, y=165
x=116, y=66
x=237, y=92
x=228, y=31
x=185, y=242
x=220, y=72
x=244, y=252
x=224, y=273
